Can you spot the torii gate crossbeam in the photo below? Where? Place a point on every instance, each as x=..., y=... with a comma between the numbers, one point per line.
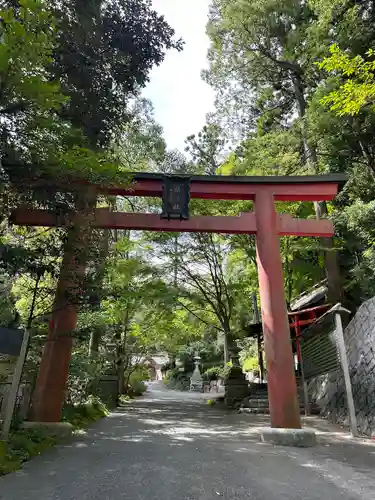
x=265, y=222
x=245, y=223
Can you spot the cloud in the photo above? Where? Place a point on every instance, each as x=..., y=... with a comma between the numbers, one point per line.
x=180, y=97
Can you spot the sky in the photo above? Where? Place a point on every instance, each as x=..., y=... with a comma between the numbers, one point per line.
x=180, y=97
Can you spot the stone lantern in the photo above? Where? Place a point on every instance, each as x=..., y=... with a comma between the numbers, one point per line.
x=236, y=385
x=196, y=381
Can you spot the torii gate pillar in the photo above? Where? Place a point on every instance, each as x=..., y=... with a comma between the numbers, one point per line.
x=282, y=389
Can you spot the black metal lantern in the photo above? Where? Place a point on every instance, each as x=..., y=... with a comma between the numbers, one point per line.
x=176, y=197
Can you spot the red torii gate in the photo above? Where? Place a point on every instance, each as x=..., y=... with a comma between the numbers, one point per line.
x=265, y=222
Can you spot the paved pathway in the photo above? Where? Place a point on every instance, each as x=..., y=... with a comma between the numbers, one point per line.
x=172, y=446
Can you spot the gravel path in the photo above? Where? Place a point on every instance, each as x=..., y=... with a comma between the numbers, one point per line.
x=170, y=446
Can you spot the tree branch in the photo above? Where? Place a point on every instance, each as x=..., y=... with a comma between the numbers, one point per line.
x=199, y=318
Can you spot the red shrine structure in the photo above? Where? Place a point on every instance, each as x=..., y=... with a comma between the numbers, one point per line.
x=264, y=222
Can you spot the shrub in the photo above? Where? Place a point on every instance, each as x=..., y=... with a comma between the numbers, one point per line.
x=217, y=372
x=213, y=373
x=142, y=372
x=83, y=377
x=168, y=376
x=226, y=370
x=250, y=364
x=177, y=380
x=81, y=415
x=170, y=365
x=123, y=399
x=136, y=384
x=137, y=388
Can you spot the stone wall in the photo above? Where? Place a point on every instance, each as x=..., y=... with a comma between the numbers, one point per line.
x=7, y=364
x=22, y=402
x=107, y=390
x=328, y=391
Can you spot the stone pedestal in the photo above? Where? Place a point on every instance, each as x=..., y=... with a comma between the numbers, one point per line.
x=56, y=429
x=236, y=387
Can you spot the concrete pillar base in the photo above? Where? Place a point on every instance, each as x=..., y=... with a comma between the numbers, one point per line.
x=58, y=429
x=301, y=438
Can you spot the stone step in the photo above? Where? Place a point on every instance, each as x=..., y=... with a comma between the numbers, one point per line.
x=314, y=410
x=255, y=411
x=263, y=411
x=259, y=396
x=256, y=404
x=260, y=405
x=259, y=402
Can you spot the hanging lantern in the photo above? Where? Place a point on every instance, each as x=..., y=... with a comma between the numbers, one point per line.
x=176, y=197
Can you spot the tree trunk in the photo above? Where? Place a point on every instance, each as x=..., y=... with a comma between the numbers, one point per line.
x=95, y=338
x=121, y=377
x=226, y=348
x=96, y=335
x=368, y=157
x=260, y=357
x=176, y=261
x=94, y=343
x=332, y=268
x=227, y=339
x=122, y=350
x=331, y=263
x=31, y=312
x=120, y=367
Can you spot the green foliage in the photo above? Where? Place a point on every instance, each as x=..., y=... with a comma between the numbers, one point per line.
x=168, y=366
x=22, y=446
x=275, y=78
x=84, y=375
x=124, y=399
x=106, y=51
x=206, y=149
x=209, y=351
x=213, y=373
x=227, y=369
x=142, y=372
x=217, y=372
x=25, y=444
x=7, y=309
x=83, y=414
x=27, y=44
x=255, y=49
x=30, y=97
x=136, y=388
x=140, y=143
x=136, y=384
x=358, y=90
x=177, y=380
x=250, y=364
x=68, y=117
